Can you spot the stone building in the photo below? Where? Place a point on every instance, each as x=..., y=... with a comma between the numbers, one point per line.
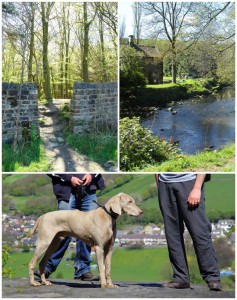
x=153, y=61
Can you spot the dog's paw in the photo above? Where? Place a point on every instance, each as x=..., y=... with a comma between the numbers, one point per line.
x=109, y=286
x=35, y=283
x=46, y=282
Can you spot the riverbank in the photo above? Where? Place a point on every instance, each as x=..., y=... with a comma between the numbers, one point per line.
x=140, y=101
x=222, y=160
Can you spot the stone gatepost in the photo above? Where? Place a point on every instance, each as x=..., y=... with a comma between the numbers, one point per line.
x=94, y=107
x=19, y=105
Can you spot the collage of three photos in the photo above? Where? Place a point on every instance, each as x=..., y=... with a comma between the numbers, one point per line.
x=118, y=113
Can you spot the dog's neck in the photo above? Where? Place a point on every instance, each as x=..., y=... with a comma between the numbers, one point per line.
x=113, y=215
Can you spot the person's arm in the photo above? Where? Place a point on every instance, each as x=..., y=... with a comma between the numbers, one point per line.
x=157, y=178
x=73, y=179
x=195, y=195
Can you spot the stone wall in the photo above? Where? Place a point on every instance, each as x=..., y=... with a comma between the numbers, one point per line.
x=19, y=100
x=94, y=107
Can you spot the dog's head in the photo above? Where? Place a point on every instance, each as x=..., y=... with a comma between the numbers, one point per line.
x=123, y=203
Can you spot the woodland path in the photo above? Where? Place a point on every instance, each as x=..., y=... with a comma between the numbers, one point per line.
x=61, y=156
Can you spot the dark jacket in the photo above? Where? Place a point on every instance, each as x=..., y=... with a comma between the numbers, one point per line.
x=62, y=184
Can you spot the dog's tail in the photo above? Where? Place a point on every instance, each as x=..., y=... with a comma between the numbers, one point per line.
x=33, y=230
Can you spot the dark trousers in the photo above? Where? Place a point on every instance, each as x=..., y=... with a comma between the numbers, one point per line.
x=173, y=204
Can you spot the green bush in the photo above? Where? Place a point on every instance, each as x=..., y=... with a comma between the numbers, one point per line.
x=138, y=147
x=131, y=70
x=6, y=270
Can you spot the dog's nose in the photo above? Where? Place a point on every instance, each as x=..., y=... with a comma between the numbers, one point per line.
x=140, y=211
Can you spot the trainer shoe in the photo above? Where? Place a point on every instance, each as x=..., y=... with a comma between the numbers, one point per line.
x=214, y=285
x=88, y=277
x=177, y=285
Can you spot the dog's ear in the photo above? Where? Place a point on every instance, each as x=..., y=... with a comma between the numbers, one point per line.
x=114, y=205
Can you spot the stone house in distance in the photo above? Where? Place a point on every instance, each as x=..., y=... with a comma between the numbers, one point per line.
x=153, y=61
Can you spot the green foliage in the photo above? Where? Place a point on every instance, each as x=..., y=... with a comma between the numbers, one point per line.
x=131, y=70
x=228, y=282
x=73, y=255
x=221, y=160
x=99, y=147
x=38, y=207
x=152, y=215
x=29, y=156
x=214, y=215
x=25, y=248
x=225, y=254
x=59, y=275
x=121, y=180
x=202, y=86
x=138, y=147
x=6, y=260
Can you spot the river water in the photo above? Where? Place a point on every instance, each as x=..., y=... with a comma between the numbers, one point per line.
x=197, y=123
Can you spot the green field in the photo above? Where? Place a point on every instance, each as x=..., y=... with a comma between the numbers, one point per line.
x=127, y=265
x=138, y=185
x=220, y=191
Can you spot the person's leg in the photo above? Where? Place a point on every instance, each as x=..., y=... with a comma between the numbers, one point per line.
x=199, y=228
x=82, y=259
x=55, y=259
x=174, y=229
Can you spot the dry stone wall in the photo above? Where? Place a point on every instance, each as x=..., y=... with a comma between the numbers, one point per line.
x=94, y=107
x=19, y=105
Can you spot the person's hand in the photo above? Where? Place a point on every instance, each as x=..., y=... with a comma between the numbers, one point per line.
x=87, y=179
x=194, y=197
x=76, y=181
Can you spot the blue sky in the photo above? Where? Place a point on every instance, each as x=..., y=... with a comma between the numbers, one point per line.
x=125, y=9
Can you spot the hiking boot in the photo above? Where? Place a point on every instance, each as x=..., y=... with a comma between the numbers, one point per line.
x=214, y=285
x=46, y=273
x=88, y=277
x=177, y=285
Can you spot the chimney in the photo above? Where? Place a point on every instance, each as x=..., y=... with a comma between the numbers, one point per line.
x=130, y=40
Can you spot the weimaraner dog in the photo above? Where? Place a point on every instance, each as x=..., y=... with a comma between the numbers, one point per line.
x=96, y=228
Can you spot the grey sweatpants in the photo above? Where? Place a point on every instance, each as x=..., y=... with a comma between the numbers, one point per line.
x=173, y=204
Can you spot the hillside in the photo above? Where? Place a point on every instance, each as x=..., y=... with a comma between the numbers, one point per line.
x=27, y=192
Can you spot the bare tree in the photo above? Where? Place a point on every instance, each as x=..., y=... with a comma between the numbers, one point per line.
x=122, y=28
x=137, y=20
x=46, y=8
x=181, y=21
x=167, y=18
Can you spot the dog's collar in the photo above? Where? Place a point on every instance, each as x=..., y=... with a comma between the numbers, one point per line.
x=112, y=215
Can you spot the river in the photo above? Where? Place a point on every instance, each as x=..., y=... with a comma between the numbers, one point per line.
x=197, y=123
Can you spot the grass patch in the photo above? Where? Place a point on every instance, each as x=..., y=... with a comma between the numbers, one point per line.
x=221, y=160
x=125, y=265
x=192, y=86
x=161, y=86
x=140, y=265
x=100, y=147
x=28, y=157
x=133, y=265
x=221, y=186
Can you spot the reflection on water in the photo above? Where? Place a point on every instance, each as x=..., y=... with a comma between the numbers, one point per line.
x=198, y=124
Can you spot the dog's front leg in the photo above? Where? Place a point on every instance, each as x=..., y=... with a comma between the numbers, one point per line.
x=108, y=256
x=100, y=260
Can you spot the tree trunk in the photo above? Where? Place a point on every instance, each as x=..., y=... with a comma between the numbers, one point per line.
x=46, y=70
x=102, y=45
x=174, y=65
x=67, y=61
x=85, y=52
x=32, y=42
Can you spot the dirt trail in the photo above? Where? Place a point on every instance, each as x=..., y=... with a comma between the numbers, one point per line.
x=61, y=156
